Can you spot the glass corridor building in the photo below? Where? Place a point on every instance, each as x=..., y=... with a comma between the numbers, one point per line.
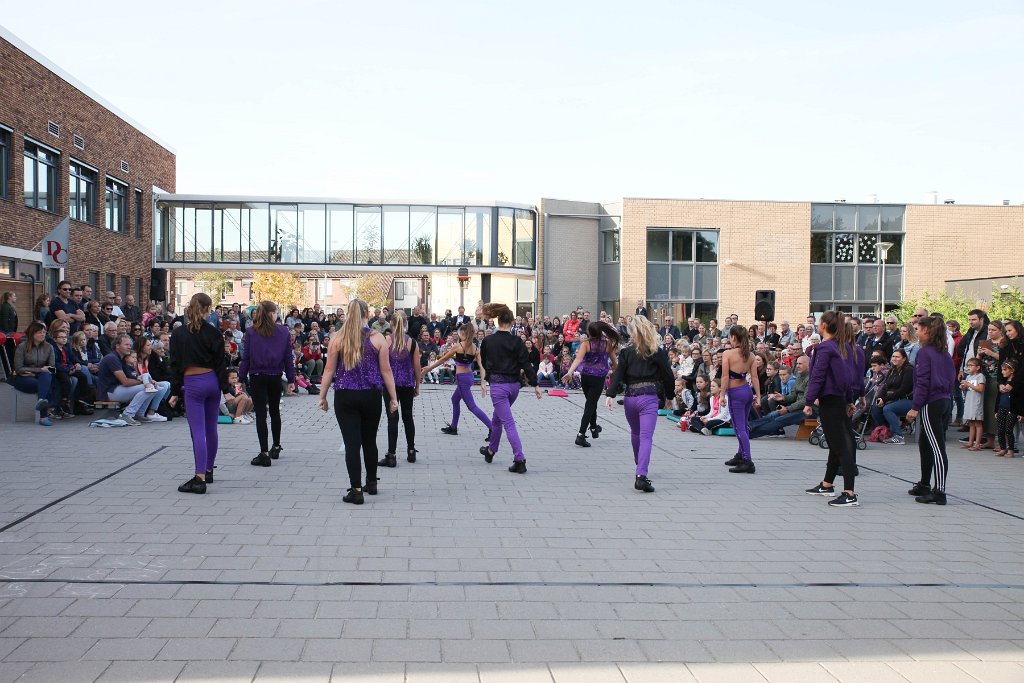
x=421, y=246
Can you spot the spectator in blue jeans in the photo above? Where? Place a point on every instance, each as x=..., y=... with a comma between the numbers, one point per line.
x=33, y=370
x=790, y=408
x=894, y=399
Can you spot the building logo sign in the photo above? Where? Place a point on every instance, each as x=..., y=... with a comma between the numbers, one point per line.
x=56, y=245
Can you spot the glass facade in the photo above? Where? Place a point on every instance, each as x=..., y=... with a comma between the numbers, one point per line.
x=82, y=187
x=40, y=176
x=387, y=235
x=682, y=271
x=846, y=267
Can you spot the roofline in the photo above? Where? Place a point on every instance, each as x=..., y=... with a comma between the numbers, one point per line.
x=339, y=200
x=18, y=43
x=808, y=201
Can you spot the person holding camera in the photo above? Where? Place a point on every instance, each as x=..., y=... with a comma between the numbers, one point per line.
x=34, y=370
x=313, y=359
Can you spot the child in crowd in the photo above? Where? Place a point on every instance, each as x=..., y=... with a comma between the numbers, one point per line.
x=772, y=385
x=1006, y=421
x=719, y=415
x=973, y=386
x=565, y=363
x=787, y=380
x=684, y=398
x=673, y=361
x=236, y=400
x=546, y=370
x=701, y=404
x=434, y=376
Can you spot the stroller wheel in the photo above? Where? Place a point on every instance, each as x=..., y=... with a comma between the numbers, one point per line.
x=823, y=443
x=813, y=439
x=862, y=445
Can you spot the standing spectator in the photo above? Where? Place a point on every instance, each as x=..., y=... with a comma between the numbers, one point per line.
x=64, y=308
x=571, y=327
x=8, y=313
x=877, y=342
x=973, y=386
x=641, y=309
x=417, y=321
x=970, y=347
x=33, y=371
x=668, y=328
x=907, y=342
x=130, y=310
x=461, y=319
x=41, y=307
x=1006, y=420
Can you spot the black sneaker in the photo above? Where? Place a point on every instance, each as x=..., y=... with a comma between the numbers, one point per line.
x=937, y=497
x=744, y=467
x=820, y=490
x=843, y=500
x=518, y=467
x=261, y=460
x=354, y=497
x=582, y=441
x=209, y=476
x=275, y=452
x=643, y=484
x=371, y=487
x=193, y=485
x=389, y=460
x=595, y=431
x=486, y=452
x=733, y=461
x=487, y=438
x=920, y=489
x=411, y=455
x=450, y=430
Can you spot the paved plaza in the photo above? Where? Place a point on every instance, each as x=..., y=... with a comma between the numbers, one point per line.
x=460, y=571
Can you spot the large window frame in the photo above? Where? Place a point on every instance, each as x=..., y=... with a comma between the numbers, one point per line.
x=683, y=265
x=82, y=180
x=40, y=173
x=116, y=206
x=5, y=161
x=610, y=246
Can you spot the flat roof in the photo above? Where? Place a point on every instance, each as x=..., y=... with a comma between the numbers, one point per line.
x=234, y=198
x=86, y=90
x=808, y=201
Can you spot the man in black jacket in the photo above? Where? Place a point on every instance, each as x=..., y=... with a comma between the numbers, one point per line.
x=877, y=342
x=968, y=346
x=417, y=322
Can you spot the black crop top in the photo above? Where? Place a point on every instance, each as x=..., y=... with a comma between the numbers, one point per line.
x=202, y=349
x=464, y=358
x=737, y=375
x=502, y=353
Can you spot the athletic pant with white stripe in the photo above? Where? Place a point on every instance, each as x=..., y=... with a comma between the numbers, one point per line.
x=932, y=442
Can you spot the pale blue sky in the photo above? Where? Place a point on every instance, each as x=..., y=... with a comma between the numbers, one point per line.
x=582, y=100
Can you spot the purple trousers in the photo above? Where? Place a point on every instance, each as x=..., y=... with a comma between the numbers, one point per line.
x=464, y=393
x=642, y=416
x=502, y=398
x=202, y=407
x=740, y=400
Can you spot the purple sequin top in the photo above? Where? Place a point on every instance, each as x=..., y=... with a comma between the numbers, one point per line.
x=595, y=361
x=401, y=365
x=366, y=374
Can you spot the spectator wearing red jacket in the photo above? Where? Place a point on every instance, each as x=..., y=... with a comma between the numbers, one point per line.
x=313, y=359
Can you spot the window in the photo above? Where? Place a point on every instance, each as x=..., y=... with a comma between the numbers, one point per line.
x=82, y=189
x=524, y=239
x=610, y=246
x=94, y=282
x=126, y=283
x=506, y=230
x=846, y=269
x=111, y=279
x=682, y=267
x=138, y=214
x=117, y=199
x=5, y=161
x=138, y=292
x=40, y=176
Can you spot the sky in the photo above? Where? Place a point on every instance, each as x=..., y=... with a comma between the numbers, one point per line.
x=592, y=101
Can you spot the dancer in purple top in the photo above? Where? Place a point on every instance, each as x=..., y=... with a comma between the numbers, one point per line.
x=266, y=354
x=464, y=354
x=358, y=362
x=404, y=354
x=597, y=354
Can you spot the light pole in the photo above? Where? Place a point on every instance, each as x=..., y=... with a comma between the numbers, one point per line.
x=883, y=252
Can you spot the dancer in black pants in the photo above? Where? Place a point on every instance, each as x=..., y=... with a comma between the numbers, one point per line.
x=360, y=357
x=836, y=381
x=934, y=376
x=404, y=354
x=596, y=356
x=266, y=354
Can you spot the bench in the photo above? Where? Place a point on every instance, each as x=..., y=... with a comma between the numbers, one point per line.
x=109, y=405
x=16, y=406
x=805, y=429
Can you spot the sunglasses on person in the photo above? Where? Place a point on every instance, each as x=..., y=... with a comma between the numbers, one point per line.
x=65, y=289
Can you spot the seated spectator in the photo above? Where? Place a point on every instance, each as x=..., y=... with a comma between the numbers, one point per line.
x=546, y=370
x=434, y=376
x=687, y=364
x=313, y=359
x=33, y=372
x=772, y=385
x=683, y=400
x=66, y=373
x=565, y=364
x=94, y=314
x=426, y=345
x=143, y=349
x=716, y=416
x=118, y=381
x=790, y=410
x=107, y=341
x=237, y=402
x=894, y=397
x=231, y=355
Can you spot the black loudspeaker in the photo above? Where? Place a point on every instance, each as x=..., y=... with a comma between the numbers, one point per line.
x=764, y=305
x=158, y=284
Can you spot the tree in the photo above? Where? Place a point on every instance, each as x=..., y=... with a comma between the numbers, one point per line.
x=1005, y=303
x=369, y=288
x=214, y=283
x=423, y=250
x=284, y=289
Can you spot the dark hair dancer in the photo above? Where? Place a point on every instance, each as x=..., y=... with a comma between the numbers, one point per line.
x=597, y=351
x=645, y=371
x=464, y=353
x=404, y=355
x=358, y=362
x=503, y=360
x=836, y=381
x=737, y=363
x=934, y=377
x=198, y=364
x=266, y=354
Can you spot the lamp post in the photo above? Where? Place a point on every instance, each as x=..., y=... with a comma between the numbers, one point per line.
x=463, y=277
x=883, y=253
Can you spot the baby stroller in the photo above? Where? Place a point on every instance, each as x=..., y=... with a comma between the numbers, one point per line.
x=861, y=419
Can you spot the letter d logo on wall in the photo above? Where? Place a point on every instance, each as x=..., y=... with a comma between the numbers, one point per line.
x=56, y=245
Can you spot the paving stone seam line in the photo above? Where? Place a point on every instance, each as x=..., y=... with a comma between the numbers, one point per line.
x=79, y=490
x=870, y=469
x=524, y=584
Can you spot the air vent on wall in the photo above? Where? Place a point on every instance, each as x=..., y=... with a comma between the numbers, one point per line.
x=124, y=167
x=53, y=129
x=79, y=141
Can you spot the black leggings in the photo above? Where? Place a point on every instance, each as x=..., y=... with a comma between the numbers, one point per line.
x=592, y=388
x=266, y=392
x=931, y=443
x=838, y=428
x=358, y=413
x=404, y=396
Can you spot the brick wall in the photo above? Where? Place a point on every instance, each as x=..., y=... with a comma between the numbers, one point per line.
x=30, y=96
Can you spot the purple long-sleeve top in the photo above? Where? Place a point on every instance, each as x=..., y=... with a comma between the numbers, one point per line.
x=267, y=355
x=832, y=375
x=934, y=376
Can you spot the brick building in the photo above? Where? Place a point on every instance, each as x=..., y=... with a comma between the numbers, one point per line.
x=64, y=151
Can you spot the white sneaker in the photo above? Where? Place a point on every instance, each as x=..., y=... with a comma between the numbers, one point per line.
x=705, y=431
x=155, y=417
x=243, y=421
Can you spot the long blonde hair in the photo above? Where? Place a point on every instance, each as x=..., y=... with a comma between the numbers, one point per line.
x=398, y=333
x=644, y=335
x=352, y=333
x=200, y=302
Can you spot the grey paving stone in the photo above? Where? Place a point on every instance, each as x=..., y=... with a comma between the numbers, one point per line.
x=50, y=649
x=65, y=672
x=390, y=650
x=222, y=672
x=125, y=649
x=586, y=673
x=269, y=649
x=337, y=650
x=136, y=672
x=192, y=649
x=294, y=672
